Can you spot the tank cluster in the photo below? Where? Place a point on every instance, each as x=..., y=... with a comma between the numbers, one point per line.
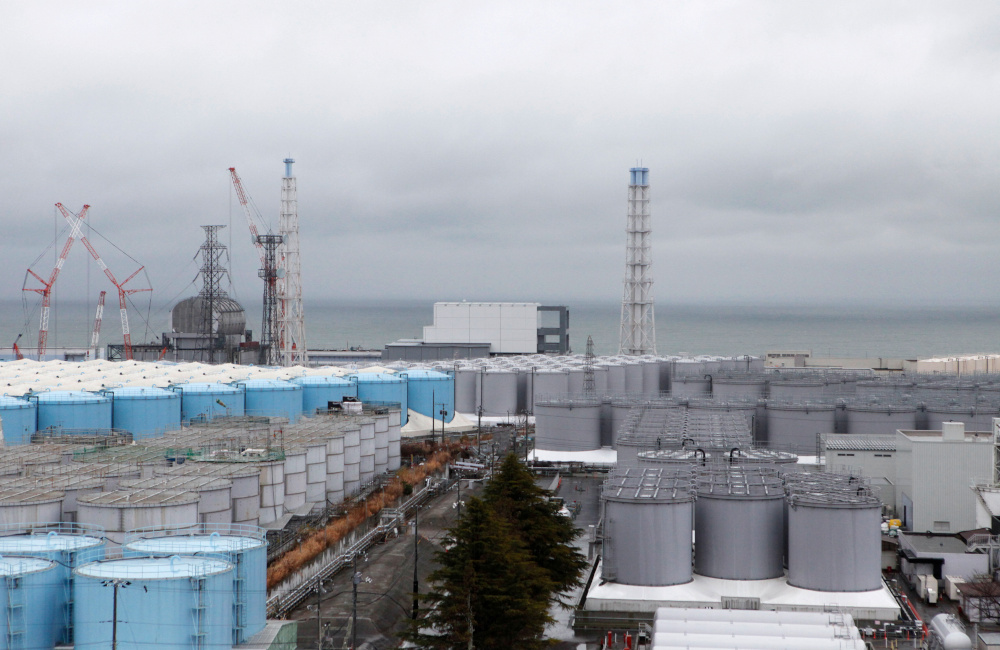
x=786, y=409
x=197, y=585
x=735, y=521
x=228, y=470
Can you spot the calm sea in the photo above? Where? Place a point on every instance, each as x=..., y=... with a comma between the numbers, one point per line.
x=693, y=329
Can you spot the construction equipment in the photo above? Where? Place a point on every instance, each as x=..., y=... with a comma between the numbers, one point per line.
x=17, y=350
x=96, y=334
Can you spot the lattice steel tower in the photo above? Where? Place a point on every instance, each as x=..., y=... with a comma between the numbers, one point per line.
x=213, y=272
x=291, y=317
x=269, y=352
x=638, y=333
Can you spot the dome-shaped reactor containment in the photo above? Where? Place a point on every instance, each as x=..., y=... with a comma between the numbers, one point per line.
x=145, y=412
x=191, y=316
x=429, y=391
x=200, y=401
x=318, y=392
x=33, y=601
x=163, y=602
x=69, y=546
x=272, y=398
x=73, y=410
x=19, y=418
x=244, y=546
x=648, y=516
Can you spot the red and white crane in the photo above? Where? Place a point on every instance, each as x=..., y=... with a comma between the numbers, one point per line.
x=46, y=289
x=76, y=232
x=254, y=219
x=96, y=334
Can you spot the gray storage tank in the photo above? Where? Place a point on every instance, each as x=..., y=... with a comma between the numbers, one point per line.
x=834, y=540
x=568, y=424
x=880, y=418
x=691, y=386
x=738, y=523
x=648, y=515
x=793, y=427
x=496, y=392
x=739, y=387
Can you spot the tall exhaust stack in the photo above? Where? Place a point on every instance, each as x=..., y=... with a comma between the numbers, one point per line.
x=291, y=335
x=638, y=333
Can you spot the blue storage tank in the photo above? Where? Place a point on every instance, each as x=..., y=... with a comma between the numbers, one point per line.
x=244, y=546
x=319, y=391
x=68, y=550
x=19, y=418
x=32, y=601
x=145, y=412
x=72, y=409
x=383, y=387
x=170, y=602
x=273, y=397
x=425, y=386
x=207, y=401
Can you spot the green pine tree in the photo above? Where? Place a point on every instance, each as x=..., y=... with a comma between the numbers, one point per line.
x=484, y=589
x=548, y=536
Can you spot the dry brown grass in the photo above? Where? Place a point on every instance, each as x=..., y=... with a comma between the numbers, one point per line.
x=319, y=540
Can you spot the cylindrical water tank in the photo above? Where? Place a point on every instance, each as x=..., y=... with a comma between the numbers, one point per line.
x=124, y=510
x=352, y=461
x=880, y=419
x=651, y=378
x=834, y=541
x=576, y=378
x=34, y=603
x=68, y=547
x=168, y=602
x=496, y=392
x=243, y=546
x=335, y=468
x=28, y=505
x=318, y=392
x=568, y=424
x=384, y=388
x=647, y=523
x=465, y=390
x=206, y=401
x=975, y=418
x=616, y=379
x=272, y=490
x=794, y=427
x=395, y=437
x=742, y=387
x=272, y=398
x=549, y=383
x=316, y=472
x=295, y=478
x=381, y=444
x=738, y=524
x=73, y=410
x=367, y=443
x=429, y=391
x=145, y=412
x=797, y=390
x=215, y=493
x=633, y=377
x=18, y=418
x=691, y=386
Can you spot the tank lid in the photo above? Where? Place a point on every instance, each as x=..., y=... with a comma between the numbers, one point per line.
x=47, y=542
x=649, y=486
x=155, y=568
x=71, y=396
x=16, y=566
x=139, y=498
x=268, y=384
x=181, y=544
x=208, y=388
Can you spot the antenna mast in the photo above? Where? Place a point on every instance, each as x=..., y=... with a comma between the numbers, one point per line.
x=638, y=332
x=291, y=317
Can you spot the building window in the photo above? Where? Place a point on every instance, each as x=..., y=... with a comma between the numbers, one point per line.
x=942, y=526
x=845, y=454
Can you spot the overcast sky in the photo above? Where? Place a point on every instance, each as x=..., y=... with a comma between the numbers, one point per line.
x=799, y=151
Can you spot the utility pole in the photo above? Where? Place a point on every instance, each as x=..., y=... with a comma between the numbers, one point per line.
x=444, y=416
x=117, y=582
x=319, y=617
x=354, y=625
x=416, y=558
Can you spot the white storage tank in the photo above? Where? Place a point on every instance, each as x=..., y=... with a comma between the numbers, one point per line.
x=633, y=377
x=738, y=387
x=465, y=390
x=395, y=437
x=29, y=505
x=124, y=510
x=650, y=377
x=367, y=443
x=549, y=383
x=616, y=378
x=295, y=478
x=496, y=392
x=316, y=472
x=215, y=503
x=648, y=517
x=352, y=461
x=691, y=386
x=335, y=468
x=880, y=418
x=272, y=490
x=381, y=444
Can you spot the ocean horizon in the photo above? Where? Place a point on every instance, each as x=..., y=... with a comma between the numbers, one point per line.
x=908, y=332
